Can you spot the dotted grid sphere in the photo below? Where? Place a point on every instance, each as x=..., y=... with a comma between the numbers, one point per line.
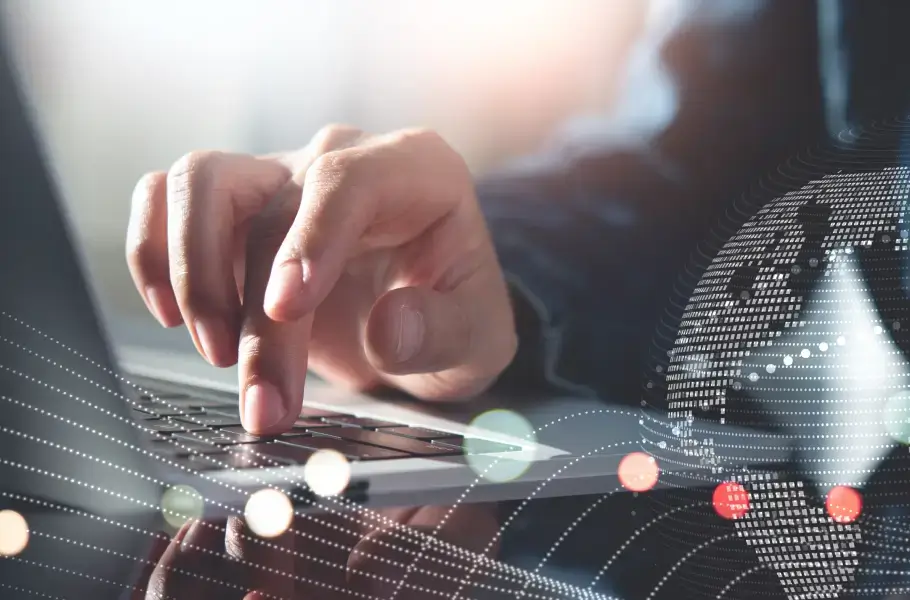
x=797, y=327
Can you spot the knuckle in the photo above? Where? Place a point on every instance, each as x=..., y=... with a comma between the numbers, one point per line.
x=269, y=228
x=425, y=140
x=333, y=135
x=250, y=350
x=191, y=172
x=192, y=294
x=428, y=144
x=149, y=187
x=143, y=259
x=330, y=169
x=422, y=135
x=335, y=174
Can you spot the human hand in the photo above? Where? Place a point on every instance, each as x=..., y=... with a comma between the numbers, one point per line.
x=419, y=552
x=364, y=258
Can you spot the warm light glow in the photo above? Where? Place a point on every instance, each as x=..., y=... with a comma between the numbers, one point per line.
x=180, y=504
x=13, y=533
x=844, y=504
x=731, y=500
x=327, y=473
x=269, y=513
x=638, y=472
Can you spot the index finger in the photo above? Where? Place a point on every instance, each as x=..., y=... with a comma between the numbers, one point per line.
x=272, y=356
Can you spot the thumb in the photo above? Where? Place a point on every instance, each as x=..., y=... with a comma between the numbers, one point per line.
x=439, y=345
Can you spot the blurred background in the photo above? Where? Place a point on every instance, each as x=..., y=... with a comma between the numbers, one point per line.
x=125, y=87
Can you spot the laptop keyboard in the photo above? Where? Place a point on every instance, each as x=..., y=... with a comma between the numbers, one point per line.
x=206, y=434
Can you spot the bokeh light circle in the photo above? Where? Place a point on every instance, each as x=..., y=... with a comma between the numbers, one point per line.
x=844, y=504
x=14, y=533
x=638, y=472
x=327, y=472
x=269, y=513
x=731, y=500
x=181, y=503
x=503, y=466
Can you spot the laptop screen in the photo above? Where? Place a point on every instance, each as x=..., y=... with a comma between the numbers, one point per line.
x=70, y=460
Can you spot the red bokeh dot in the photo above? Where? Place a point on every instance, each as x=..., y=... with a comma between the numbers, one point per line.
x=638, y=472
x=731, y=500
x=844, y=504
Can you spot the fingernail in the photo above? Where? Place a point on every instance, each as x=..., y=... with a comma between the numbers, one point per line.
x=212, y=338
x=156, y=304
x=410, y=333
x=187, y=540
x=285, y=289
x=263, y=407
x=181, y=533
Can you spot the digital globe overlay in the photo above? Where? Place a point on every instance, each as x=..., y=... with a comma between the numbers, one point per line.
x=777, y=400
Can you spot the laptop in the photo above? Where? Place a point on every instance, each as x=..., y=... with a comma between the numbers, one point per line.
x=93, y=434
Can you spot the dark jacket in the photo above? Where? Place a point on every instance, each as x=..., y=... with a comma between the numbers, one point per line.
x=596, y=239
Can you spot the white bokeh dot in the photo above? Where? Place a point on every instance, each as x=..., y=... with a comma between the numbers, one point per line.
x=841, y=341
x=805, y=353
x=770, y=368
x=327, y=472
x=268, y=513
x=753, y=377
x=877, y=329
x=13, y=533
x=788, y=360
x=823, y=346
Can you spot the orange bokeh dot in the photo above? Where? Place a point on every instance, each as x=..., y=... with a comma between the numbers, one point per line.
x=844, y=504
x=731, y=500
x=638, y=472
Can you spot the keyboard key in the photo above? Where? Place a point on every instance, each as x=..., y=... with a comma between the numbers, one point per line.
x=201, y=462
x=217, y=438
x=389, y=441
x=420, y=433
x=183, y=446
x=209, y=420
x=475, y=445
x=166, y=426
x=351, y=450
x=352, y=421
x=158, y=397
x=218, y=405
x=310, y=423
x=249, y=438
x=158, y=410
x=308, y=412
x=171, y=396
x=278, y=453
x=226, y=411
x=242, y=458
